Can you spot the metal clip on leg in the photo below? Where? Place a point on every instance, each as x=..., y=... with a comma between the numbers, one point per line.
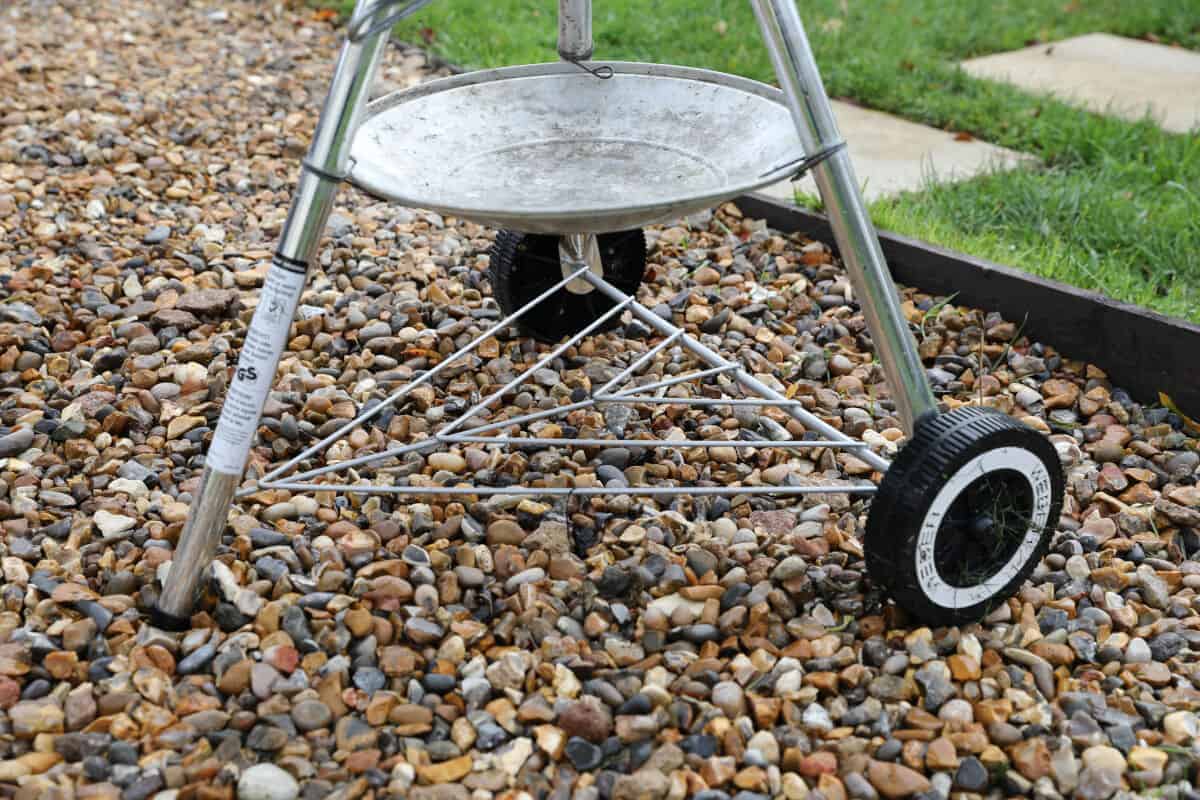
x=575, y=36
x=805, y=165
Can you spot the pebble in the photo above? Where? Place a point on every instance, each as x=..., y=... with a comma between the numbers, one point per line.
x=267, y=782
x=584, y=755
x=971, y=775
x=1138, y=652
x=16, y=442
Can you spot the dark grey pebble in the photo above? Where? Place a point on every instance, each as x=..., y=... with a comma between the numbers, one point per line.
x=79, y=746
x=608, y=474
x=583, y=754
x=700, y=744
x=295, y=624
x=697, y=634
x=971, y=776
x=614, y=582
x=638, y=704
x=229, y=618
x=144, y=786
x=121, y=752
x=616, y=457
x=271, y=568
x=98, y=670
x=266, y=738
x=95, y=768
x=415, y=556
x=16, y=442
x=197, y=660
x=36, y=689
x=1122, y=737
x=438, y=683
x=264, y=537
x=889, y=750
x=1166, y=645
x=701, y=561
x=316, y=600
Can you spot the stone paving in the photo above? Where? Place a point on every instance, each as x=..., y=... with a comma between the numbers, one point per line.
x=892, y=155
x=1107, y=74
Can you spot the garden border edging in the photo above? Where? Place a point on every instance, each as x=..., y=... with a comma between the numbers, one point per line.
x=1142, y=351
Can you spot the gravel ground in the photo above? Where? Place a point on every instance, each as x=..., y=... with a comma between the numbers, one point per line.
x=503, y=648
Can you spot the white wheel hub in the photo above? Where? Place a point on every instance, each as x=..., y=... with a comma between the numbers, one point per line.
x=1001, y=459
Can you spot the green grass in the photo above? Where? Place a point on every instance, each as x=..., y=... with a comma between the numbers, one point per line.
x=1114, y=206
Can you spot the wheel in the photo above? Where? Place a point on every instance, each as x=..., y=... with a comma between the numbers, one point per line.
x=523, y=265
x=963, y=514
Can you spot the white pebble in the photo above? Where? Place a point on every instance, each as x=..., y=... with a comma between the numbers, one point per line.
x=267, y=782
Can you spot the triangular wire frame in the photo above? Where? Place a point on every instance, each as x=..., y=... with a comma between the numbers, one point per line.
x=483, y=432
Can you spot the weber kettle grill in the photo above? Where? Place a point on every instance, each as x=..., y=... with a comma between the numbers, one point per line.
x=570, y=160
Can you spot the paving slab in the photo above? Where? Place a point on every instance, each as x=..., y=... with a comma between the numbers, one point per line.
x=892, y=155
x=1108, y=74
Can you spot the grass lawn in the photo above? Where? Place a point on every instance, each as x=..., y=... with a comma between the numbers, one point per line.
x=1115, y=206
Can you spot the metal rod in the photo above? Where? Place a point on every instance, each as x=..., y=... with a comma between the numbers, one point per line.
x=407, y=389
x=747, y=380
x=694, y=401
x=575, y=30
x=269, y=327
x=582, y=491
x=800, y=80
x=589, y=403
x=677, y=444
x=490, y=426
x=640, y=362
x=544, y=360
x=533, y=416
x=668, y=382
x=360, y=461
x=443, y=435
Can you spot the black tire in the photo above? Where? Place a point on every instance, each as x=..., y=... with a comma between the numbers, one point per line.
x=964, y=514
x=523, y=265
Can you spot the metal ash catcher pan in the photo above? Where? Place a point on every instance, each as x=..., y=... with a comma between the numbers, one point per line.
x=559, y=156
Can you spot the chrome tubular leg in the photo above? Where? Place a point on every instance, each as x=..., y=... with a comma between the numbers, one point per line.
x=575, y=30
x=797, y=72
x=267, y=336
x=577, y=250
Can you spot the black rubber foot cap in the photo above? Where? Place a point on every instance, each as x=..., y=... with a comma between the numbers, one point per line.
x=169, y=622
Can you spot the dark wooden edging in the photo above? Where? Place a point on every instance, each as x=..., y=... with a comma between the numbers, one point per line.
x=1142, y=351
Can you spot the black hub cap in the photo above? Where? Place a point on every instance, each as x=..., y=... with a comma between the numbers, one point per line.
x=983, y=528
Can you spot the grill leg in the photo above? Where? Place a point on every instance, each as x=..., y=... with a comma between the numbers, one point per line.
x=575, y=30
x=322, y=173
x=797, y=72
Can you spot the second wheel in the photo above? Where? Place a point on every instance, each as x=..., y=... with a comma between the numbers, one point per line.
x=964, y=514
x=524, y=265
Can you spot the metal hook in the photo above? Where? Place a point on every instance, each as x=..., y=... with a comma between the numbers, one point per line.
x=804, y=164
x=603, y=72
